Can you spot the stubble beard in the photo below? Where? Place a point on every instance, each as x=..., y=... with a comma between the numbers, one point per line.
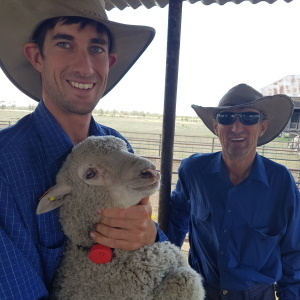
x=70, y=105
x=80, y=110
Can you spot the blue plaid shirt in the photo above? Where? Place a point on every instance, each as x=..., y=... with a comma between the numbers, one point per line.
x=31, y=153
x=239, y=235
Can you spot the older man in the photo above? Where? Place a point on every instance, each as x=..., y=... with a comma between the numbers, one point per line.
x=241, y=210
x=73, y=56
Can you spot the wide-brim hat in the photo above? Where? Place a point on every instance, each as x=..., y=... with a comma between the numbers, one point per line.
x=278, y=109
x=19, y=18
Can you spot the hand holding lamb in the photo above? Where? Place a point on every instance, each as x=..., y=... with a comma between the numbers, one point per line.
x=101, y=173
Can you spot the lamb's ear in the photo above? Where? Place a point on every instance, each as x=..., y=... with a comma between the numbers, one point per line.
x=53, y=198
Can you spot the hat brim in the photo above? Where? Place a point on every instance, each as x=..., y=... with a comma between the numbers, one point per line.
x=20, y=18
x=278, y=109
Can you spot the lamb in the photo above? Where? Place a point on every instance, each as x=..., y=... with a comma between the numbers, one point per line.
x=101, y=173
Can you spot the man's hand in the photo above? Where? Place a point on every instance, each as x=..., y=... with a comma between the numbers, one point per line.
x=127, y=229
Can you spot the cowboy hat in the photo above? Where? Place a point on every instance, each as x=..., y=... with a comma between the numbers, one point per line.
x=19, y=18
x=278, y=109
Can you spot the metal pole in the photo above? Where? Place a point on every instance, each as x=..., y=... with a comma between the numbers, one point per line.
x=173, y=47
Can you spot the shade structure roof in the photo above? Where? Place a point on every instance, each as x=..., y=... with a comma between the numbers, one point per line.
x=121, y=4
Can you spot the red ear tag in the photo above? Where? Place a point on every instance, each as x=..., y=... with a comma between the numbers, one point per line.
x=100, y=254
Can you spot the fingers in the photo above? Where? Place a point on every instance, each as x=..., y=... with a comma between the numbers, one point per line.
x=125, y=239
x=134, y=212
x=127, y=229
x=145, y=201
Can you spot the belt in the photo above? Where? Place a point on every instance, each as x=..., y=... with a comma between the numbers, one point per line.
x=255, y=292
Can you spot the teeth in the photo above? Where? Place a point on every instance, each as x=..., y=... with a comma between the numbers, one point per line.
x=238, y=139
x=82, y=86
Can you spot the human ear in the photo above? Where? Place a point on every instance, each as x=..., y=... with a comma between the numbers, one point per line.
x=112, y=59
x=215, y=127
x=264, y=126
x=33, y=54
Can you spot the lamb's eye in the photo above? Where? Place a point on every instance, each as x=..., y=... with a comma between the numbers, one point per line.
x=91, y=173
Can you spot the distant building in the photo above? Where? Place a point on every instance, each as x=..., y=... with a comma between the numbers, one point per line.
x=289, y=85
x=294, y=124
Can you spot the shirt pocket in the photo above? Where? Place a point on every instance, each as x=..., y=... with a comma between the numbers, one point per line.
x=200, y=211
x=201, y=224
x=51, y=242
x=51, y=258
x=258, y=246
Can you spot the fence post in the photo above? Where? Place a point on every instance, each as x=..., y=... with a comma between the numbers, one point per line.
x=159, y=145
x=213, y=145
x=173, y=46
x=263, y=150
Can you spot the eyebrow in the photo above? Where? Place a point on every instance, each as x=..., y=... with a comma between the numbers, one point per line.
x=62, y=36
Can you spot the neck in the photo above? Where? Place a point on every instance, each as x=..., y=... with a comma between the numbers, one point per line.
x=76, y=126
x=238, y=168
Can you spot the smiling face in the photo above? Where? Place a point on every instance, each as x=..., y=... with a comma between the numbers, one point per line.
x=74, y=67
x=240, y=140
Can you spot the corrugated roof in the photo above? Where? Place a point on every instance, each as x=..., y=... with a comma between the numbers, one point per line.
x=121, y=4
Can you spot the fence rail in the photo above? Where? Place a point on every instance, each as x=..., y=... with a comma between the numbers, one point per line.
x=4, y=124
x=149, y=145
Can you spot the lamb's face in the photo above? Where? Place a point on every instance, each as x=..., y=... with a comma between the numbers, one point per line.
x=104, y=162
x=99, y=173
x=127, y=177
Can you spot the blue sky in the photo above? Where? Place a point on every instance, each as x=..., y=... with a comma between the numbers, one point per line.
x=221, y=46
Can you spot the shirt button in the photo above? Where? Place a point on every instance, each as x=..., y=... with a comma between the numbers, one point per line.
x=222, y=252
x=224, y=292
x=225, y=230
x=229, y=210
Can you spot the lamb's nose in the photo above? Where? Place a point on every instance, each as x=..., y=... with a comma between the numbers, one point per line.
x=149, y=173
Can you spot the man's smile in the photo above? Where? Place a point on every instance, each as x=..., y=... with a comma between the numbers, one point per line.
x=82, y=86
x=238, y=139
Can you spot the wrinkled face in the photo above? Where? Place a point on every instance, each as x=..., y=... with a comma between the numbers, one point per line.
x=74, y=67
x=240, y=140
x=127, y=177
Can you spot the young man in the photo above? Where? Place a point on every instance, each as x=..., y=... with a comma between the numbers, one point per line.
x=241, y=210
x=73, y=56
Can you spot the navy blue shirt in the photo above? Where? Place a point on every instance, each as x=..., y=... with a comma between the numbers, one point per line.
x=31, y=153
x=239, y=235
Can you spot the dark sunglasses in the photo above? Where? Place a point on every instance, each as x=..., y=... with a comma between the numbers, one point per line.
x=246, y=117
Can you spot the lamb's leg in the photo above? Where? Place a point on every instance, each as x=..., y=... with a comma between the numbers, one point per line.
x=183, y=283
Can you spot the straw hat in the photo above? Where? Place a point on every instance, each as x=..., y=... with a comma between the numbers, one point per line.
x=278, y=109
x=19, y=18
